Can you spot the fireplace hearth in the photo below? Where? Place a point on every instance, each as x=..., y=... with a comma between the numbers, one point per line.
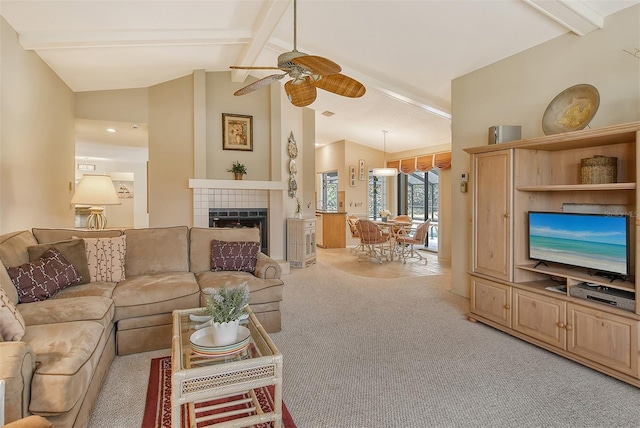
x=243, y=217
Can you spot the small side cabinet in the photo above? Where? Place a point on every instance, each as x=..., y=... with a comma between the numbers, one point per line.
x=301, y=242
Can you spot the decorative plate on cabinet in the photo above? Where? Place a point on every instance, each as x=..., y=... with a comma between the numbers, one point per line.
x=571, y=110
x=292, y=147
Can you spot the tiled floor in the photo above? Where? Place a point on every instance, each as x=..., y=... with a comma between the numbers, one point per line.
x=345, y=260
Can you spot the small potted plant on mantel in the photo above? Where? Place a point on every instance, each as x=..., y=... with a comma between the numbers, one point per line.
x=226, y=308
x=238, y=170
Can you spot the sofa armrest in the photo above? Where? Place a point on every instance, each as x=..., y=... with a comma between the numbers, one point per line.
x=17, y=368
x=267, y=268
x=30, y=422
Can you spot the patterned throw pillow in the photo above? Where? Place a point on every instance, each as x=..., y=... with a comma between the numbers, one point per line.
x=105, y=257
x=12, y=325
x=43, y=278
x=234, y=256
x=72, y=250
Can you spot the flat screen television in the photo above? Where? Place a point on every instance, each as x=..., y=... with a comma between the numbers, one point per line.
x=600, y=242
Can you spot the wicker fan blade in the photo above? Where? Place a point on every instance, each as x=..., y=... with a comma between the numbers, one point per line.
x=341, y=85
x=240, y=67
x=259, y=84
x=318, y=64
x=302, y=94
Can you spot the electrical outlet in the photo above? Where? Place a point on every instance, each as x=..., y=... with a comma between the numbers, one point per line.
x=463, y=187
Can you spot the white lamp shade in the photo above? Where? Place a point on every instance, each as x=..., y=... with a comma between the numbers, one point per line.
x=385, y=172
x=96, y=190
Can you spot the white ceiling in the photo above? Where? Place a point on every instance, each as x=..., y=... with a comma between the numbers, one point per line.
x=406, y=53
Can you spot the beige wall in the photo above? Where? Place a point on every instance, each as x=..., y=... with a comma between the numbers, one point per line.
x=171, y=153
x=220, y=99
x=123, y=105
x=517, y=90
x=36, y=140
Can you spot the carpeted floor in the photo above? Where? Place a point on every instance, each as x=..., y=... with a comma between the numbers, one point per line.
x=365, y=352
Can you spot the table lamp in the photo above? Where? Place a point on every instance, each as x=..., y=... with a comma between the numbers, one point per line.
x=96, y=190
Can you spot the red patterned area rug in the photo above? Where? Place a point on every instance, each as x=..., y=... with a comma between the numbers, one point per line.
x=157, y=409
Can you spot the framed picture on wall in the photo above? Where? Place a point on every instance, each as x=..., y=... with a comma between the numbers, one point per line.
x=352, y=176
x=361, y=169
x=237, y=132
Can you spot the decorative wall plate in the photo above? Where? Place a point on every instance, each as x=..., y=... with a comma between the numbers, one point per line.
x=292, y=147
x=293, y=168
x=571, y=110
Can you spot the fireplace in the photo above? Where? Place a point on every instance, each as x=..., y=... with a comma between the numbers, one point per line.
x=243, y=217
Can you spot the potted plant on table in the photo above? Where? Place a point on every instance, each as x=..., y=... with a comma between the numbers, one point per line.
x=384, y=214
x=238, y=170
x=226, y=308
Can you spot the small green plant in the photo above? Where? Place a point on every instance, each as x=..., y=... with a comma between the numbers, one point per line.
x=226, y=304
x=238, y=168
x=298, y=206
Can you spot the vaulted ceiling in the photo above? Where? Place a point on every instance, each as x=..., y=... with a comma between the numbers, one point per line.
x=406, y=53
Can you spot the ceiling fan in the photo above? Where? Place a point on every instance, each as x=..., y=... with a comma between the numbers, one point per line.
x=307, y=73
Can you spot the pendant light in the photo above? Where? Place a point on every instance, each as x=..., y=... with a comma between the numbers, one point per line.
x=384, y=171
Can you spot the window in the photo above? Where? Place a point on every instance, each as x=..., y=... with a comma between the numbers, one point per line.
x=420, y=191
x=377, y=195
x=329, y=191
x=422, y=195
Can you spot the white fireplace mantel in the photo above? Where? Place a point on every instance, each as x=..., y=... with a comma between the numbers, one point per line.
x=200, y=183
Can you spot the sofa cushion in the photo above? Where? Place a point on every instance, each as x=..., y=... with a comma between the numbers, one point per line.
x=155, y=294
x=12, y=326
x=13, y=252
x=105, y=258
x=66, y=354
x=43, y=278
x=200, y=243
x=261, y=290
x=45, y=236
x=72, y=250
x=234, y=256
x=7, y=284
x=53, y=311
x=157, y=250
x=98, y=288
x=13, y=247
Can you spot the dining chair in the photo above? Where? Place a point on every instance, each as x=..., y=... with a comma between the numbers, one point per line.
x=352, y=220
x=407, y=243
x=372, y=241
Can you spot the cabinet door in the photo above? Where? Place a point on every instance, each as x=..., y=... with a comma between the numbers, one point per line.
x=541, y=317
x=605, y=338
x=492, y=224
x=491, y=300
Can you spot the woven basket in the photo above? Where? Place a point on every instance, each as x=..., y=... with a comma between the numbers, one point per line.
x=599, y=170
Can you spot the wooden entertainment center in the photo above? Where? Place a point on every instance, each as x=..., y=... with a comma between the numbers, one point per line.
x=508, y=291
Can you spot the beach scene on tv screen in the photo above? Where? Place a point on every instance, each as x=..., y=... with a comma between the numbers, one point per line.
x=596, y=242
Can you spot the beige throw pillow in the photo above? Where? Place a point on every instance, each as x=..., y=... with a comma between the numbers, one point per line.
x=105, y=258
x=12, y=327
x=73, y=250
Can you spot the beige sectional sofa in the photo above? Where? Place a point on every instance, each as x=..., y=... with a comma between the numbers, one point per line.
x=57, y=368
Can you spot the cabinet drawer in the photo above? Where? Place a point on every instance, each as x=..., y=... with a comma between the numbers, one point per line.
x=605, y=338
x=491, y=300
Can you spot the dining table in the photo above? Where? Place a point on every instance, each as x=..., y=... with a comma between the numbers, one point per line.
x=393, y=229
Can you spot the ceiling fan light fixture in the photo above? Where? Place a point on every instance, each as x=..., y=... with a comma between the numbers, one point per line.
x=384, y=171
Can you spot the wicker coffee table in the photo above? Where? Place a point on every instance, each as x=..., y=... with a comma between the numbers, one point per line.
x=196, y=379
